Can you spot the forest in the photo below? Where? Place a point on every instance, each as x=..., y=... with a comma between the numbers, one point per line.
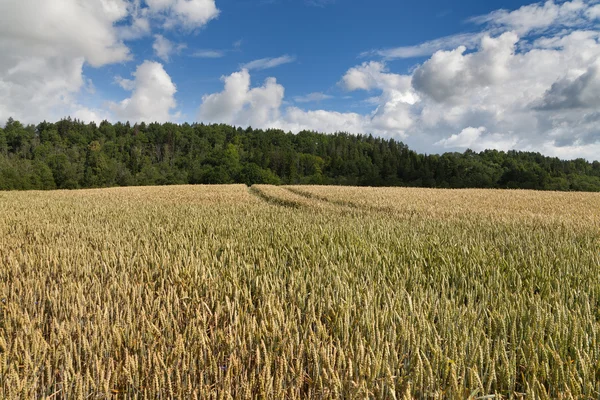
x=70, y=154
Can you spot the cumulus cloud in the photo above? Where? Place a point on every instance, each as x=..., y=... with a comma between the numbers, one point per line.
x=392, y=117
x=266, y=63
x=449, y=75
x=41, y=67
x=152, y=97
x=374, y=75
x=42, y=63
x=239, y=104
x=580, y=92
x=188, y=14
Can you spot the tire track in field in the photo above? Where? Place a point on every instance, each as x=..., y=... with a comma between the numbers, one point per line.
x=342, y=204
x=277, y=201
x=296, y=200
x=312, y=196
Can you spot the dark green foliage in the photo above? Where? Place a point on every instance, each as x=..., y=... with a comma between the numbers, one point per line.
x=70, y=154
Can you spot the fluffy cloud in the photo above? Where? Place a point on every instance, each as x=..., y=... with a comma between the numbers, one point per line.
x=189, y=14
x=544, y=96
x=239, y=104
x=152, y=98
x=580, y=92
x=450, y=75
x=374, y=75
x=41, y=64
x=392, y=116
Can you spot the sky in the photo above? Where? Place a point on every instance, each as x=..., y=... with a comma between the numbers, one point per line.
x=439, y=76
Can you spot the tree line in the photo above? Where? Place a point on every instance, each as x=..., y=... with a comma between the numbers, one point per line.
x=70, y=154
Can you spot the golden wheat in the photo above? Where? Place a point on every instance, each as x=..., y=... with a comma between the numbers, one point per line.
x=299, y=292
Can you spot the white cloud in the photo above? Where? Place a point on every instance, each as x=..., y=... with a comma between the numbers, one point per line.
x=41, y=67
x=159, y=5
x=449, y=75
x=164, y=48
x=374, y=75
x=312, y=98
x=209, y=54
x=539, y=17
x=466, y=138
x=545, y=93
x=187, y=14
x=576, y=150
x=127, y=84
x=152, y=98
x=593, y=13
x=469, y=40
x=139, y=25
x=296, y=120
x=195, y=13
x=90, y=115
x=240, y=105
x=218, y=53
x=42, y=62
x=392, y=117
x=261, y=107
x=90, y=87
x=476, y=139
x=534, y=18
x=266, y=63
x=580, y=92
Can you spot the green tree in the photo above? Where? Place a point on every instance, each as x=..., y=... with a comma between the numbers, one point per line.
x=3, y=143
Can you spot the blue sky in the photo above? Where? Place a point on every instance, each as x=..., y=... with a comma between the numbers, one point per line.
x=440, y=76
x=324, y=37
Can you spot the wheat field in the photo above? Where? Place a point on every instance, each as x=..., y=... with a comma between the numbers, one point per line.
x=221, y=292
